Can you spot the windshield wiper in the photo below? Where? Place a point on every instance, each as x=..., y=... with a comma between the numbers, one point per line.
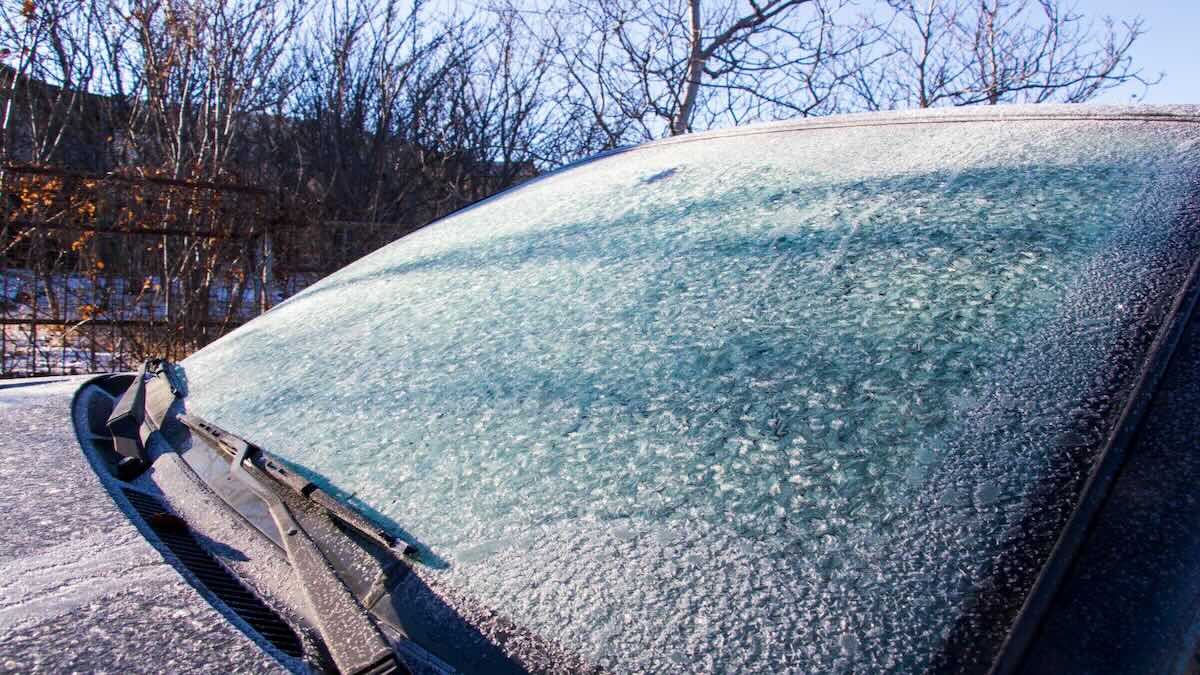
x=354, y=642
x=271, y=467
x=128, y=417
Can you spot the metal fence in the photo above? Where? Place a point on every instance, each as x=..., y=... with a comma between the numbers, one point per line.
x=98, y=272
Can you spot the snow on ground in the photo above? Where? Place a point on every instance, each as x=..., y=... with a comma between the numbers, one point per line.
x=84, y=347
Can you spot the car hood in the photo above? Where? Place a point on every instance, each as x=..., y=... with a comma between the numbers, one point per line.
x=80, y=586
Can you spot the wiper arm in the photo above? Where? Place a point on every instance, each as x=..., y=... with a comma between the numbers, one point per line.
x=272, y=468
x=355, y=643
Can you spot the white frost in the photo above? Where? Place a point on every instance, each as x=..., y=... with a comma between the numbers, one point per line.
x=758, y=402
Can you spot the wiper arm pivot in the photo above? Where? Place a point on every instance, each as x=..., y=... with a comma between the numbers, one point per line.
x=129, y=415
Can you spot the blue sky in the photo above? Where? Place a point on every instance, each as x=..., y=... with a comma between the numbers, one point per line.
x=1171, y=45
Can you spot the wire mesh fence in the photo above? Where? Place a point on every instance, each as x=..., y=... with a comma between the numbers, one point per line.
x=98, y=272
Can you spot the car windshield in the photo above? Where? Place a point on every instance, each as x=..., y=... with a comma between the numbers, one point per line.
x=778, y=398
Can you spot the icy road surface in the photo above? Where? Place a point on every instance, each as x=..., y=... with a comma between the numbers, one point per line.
x=770, y=400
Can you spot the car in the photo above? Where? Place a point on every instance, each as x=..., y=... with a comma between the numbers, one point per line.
x=884, y=392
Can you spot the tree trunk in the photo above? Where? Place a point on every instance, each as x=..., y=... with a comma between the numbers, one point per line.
x=695, y=70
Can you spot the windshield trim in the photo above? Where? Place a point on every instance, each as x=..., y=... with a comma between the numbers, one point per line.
x=992, y=114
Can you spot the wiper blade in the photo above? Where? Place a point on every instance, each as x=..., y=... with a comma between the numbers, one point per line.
x=354, y=642
x=272, y=468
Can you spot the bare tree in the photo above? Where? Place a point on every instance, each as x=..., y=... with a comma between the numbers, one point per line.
x=370, y=108
x=498, y=121
x=770, y=54
x=966, y=52
x=45, y=81
x=635, y=71
x=197, y=71
x=194, y=80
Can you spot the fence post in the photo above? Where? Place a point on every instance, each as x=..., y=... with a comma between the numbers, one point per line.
x=166, y=288
x=266, y=261
x=33, y=317
x=4, y=315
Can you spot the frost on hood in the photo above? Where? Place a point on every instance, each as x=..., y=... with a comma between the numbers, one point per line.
x=766, y=401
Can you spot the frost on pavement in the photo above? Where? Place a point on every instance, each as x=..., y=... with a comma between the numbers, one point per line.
x=768, y=401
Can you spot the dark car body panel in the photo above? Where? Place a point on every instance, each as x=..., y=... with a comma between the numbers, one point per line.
x=1131, y=600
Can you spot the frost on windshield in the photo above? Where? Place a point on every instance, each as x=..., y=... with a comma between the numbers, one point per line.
x=762, y=402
